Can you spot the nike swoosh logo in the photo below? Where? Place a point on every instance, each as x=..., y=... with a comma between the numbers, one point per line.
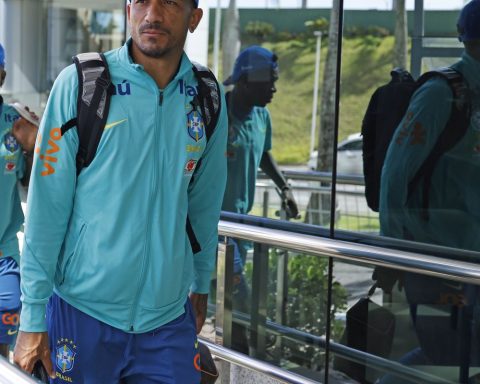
x=11, y=332
x=111, y=125
x=457, y=287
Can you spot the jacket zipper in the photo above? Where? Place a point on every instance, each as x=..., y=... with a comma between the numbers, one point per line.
x=141, y=281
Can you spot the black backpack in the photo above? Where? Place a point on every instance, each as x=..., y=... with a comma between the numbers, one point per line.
x=93, y=101
x=386, y=109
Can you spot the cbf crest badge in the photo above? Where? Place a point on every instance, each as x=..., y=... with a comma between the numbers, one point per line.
x=65, y=356
x=10, y=142
x=196, y=127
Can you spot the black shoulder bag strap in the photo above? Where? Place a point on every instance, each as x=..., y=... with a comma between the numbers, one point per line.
x=93, y=102
x=454, y=130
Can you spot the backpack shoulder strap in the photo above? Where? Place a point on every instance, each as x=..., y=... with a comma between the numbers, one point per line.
x=208, y=100
x=454, y=79
x=93, y=102
x=208, y=97
x=454, y=130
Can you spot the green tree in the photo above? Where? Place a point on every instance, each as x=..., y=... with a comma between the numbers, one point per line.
x=319, y=205
x=230, y=38
x=401, y=34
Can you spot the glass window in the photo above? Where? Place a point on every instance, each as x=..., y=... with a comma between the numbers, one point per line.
x=424, y=327
x=412, y=210
x=300, y=140
x=62, y=28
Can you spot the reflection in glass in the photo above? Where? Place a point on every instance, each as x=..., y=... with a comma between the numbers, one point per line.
x=292, y=36
x=81, y=30
x=426, y=324
x=436, y=330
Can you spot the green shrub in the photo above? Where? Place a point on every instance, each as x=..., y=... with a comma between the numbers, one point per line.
x=321, y=24
x=258, y=31
x=377, y=31
x=284, y=36
x=374, y=30
x=306, y=307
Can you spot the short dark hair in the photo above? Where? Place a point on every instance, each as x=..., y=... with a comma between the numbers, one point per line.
x=195, y=5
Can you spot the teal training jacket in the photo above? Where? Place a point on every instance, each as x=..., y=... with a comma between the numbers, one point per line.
x=113, y=242
x=455, y=186
x=11, y=170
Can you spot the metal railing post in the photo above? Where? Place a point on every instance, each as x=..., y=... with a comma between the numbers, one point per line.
x=259, y=300
x=266, y=201
x=282, y=296
x=223, y=315
x=223, y=321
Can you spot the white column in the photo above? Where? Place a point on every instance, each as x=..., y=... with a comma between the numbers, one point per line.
x=216, y=38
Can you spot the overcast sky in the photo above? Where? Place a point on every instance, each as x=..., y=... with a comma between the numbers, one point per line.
x=349, y=4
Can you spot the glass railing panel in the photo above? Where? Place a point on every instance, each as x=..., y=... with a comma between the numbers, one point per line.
x=280, y=308
x=428, y=325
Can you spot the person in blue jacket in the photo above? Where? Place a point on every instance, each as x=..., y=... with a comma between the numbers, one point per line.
x=249, y=143
x=111, y=289
x=18, y=129
x=454, y=204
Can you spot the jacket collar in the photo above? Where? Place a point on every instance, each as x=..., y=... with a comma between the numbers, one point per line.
x=125, y=58
x=470, y=68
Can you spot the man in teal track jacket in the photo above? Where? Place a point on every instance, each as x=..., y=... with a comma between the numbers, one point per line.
x=109, y=248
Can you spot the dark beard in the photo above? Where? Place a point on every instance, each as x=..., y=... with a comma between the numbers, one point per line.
x=153, y=52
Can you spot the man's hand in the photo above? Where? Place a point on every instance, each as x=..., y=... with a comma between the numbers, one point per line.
x=25, y=133
x=291, y=204
x=30, y=348
x=199, y=303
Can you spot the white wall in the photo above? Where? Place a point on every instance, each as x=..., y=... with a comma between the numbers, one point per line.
x=197, y=42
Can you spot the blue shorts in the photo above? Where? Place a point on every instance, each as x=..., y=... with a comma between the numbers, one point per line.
x=85, y=350
x=9, y=299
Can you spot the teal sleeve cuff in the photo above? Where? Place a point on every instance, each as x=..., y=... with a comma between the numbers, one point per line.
x=33, y=318
x=201, y=284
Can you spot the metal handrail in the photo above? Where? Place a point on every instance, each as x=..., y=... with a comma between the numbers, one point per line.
x=10, y=374
x=245, y=361
x=400, y=370
x=461, y=271
x=325, y=177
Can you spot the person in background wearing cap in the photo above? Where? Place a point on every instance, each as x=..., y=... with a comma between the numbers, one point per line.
x=111, y=288
x=249, y=143
x=454, y=206
x=18, y=129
